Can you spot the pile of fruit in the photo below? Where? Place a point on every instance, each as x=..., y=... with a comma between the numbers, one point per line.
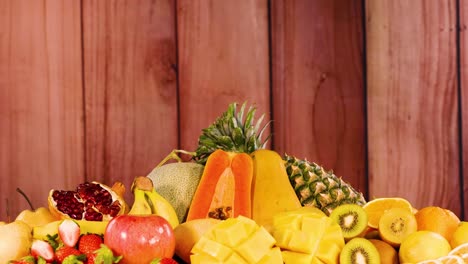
x=233, y=202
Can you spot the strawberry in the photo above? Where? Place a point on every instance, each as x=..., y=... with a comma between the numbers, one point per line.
x=89, y=243
x=103, y=255
x=64, y=252
x=163, y=261
x=69, y=232
x=43, y=249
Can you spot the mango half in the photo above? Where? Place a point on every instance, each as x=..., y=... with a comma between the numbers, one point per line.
x=237, y=240
x=307, y=236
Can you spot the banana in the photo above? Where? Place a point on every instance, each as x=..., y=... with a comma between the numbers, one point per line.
x=140, y=205
x=162, y=207
x=148, y=201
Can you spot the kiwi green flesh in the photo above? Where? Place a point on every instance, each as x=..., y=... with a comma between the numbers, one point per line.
x=352, y=219
x=359, y=251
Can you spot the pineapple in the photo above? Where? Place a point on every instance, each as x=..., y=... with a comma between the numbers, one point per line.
x=313, y=185
x=231, y=132
x=316, y=187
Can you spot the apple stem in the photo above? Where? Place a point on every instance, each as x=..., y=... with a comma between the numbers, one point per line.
x=25, y=197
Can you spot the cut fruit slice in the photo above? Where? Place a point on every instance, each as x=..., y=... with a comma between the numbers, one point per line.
x=307, y=237
x=396, y=224
x=431, y=261
x=359, y=250
x=461, y=251
x=451, y=260
x=236, y=240
x=376, y=207
x=352, y=219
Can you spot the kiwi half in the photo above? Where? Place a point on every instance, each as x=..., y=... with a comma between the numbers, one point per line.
x=396, y=224
x=352, y=219
x=359, y=250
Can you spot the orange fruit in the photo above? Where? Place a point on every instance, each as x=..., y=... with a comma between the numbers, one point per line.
x=375, y=208
x=437, y=219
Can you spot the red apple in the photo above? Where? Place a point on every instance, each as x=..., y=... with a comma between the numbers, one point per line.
x=140, y=239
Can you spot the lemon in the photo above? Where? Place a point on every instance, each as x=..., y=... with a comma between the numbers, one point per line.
x=460, y=236
x=423, y=245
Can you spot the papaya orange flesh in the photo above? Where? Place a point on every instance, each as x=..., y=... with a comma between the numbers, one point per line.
x=224, y=190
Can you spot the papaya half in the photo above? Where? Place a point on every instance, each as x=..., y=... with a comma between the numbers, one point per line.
x=224, y=190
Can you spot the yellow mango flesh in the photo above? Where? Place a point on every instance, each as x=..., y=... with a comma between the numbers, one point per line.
x=236, y=240
x=307, y=237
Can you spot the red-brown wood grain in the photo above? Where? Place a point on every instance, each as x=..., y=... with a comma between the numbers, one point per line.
x=223, y=58
x=464, y=100
x=412, y=102
x=41, y=104
x=130, y=87
x=318, y=93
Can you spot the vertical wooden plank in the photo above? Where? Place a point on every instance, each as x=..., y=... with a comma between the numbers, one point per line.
x=464, y=100
x=318, y=91
x=130, y=87
x=223, y=58
x=412, y=102
x=41, y=104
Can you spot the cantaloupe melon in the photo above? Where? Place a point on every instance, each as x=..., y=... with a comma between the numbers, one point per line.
x=177, y=183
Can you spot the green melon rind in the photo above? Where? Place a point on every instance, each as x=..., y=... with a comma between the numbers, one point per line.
x=177, y=183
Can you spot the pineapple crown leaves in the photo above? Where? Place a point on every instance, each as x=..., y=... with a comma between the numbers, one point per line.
x=232, y=132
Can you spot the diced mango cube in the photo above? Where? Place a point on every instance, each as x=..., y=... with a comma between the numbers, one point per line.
x=291, y=257
x=231, y=232
x=234, y=258
x=202, y=258
x=212, y=248
x=256, y=246
x=285, y=219
x=282, y=237
x=328, y=252
x=334, y=234
x=272, y=257
x=303, y=242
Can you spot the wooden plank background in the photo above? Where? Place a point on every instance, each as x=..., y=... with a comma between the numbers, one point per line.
x=103, y=90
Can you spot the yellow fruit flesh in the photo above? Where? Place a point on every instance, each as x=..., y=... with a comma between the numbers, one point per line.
x=272, y=192
x=236, y=240
x=396, y=224
x=376, y=207
x=308, y=238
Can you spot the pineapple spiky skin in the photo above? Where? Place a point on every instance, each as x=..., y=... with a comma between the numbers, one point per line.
x=314, y=186
x=231, y=132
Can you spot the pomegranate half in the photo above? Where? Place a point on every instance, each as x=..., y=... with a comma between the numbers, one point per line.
x=92, y=201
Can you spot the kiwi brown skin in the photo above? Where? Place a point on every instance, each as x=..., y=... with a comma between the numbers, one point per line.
x=388, y=254
x=352, y=219
x=359, y=250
